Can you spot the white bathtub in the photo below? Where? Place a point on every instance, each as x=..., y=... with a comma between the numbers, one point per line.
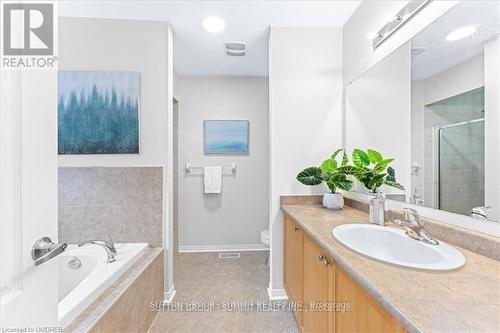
x=78, y=288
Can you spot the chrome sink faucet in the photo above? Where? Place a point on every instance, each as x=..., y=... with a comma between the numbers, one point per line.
x=415, y=226
x=109, y=246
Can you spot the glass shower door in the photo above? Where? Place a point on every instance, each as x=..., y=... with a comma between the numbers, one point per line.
x=461, y=166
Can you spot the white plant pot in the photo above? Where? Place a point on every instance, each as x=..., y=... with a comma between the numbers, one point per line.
x=333, y=200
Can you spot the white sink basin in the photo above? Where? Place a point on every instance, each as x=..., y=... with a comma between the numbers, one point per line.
x=394, y=246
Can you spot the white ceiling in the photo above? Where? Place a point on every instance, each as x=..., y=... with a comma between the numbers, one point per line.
x=441, y=54
x=197, y=52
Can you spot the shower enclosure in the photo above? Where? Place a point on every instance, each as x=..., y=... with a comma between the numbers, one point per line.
x=460, y=166
x=454, y=152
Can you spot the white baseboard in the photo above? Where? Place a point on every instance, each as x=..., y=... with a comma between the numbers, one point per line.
x=224, y=248
x=169, y=295
x=276, y=294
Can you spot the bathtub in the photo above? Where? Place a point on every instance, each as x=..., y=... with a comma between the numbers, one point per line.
x=78, y=288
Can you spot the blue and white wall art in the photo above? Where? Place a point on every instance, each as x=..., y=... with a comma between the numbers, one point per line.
x=226, y=136
x=98, y=113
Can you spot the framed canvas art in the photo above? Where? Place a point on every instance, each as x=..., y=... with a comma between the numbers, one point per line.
x=226, y=136
x=98, y=113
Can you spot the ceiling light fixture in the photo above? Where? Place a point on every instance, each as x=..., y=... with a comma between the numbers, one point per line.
x=213, y=24
x=461, y=33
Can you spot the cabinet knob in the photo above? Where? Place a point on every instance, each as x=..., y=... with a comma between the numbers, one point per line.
x=295, y=228
x=323, y=260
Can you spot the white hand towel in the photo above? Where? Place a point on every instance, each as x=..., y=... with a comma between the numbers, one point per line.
x=213, y=179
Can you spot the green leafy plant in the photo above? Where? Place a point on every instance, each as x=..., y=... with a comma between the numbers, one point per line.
x=330, y=172
x=372, y=169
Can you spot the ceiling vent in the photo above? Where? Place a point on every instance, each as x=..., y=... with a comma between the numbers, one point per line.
x=416, y=51
x=235, y=49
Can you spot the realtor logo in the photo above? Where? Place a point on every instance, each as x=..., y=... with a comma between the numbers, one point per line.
x=28, y=35
x=28, y=29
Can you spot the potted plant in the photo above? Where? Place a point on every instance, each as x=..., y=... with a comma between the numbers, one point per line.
x=373, y=170
x=333, y=175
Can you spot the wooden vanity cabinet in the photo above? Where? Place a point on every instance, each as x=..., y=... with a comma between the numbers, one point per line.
x=312, y=277
x=365, y=314
x=318, y=289
x=292, y=264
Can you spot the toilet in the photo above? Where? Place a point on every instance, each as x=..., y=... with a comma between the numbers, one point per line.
x=264, y=239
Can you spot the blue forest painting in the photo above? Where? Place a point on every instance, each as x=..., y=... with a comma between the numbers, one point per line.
x=98, y=112
x=226, y=136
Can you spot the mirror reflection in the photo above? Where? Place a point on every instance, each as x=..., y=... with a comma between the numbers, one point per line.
x=449, y=92
x=433, y=106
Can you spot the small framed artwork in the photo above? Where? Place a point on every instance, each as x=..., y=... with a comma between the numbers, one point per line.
x=226, y=136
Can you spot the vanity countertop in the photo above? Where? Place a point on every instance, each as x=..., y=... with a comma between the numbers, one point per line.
x=463, y=300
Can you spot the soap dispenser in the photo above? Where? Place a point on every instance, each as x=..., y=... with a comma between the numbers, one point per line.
x=377, y=209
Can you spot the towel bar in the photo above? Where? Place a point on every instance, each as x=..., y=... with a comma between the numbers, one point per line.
x=188, y=167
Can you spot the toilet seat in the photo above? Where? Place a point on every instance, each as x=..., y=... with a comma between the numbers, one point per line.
x=264, y=237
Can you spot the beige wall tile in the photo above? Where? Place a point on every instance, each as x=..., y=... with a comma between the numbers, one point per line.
x=106, y=186
x=143, y=185
x=124, y=204
x=70, y=227
x=103, y=222
x=144, y=220
x=73, y=183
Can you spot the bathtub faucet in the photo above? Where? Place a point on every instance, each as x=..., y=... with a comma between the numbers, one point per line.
x=109, y=246
x=45, y=249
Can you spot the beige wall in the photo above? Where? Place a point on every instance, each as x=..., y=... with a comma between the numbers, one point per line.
x=89, y=44
x=92, y=44
x=305, y=117
x=234, y=218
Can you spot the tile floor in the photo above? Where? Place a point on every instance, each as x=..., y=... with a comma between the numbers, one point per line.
x=203, y=277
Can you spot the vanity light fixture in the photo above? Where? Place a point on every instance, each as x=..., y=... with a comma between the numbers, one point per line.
x=400, y=19
x=213, y=24
x=461, y=33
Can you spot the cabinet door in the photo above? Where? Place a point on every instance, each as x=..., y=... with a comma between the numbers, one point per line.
x=365, y=314
x=292, y=266
x=317, y=289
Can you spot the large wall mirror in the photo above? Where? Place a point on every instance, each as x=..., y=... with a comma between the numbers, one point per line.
x=433, y=105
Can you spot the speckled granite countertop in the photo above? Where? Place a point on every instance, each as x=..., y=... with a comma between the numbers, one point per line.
x=463, y=300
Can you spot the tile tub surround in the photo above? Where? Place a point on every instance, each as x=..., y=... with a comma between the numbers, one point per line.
x=471, y=240
x=463, y=300
x=125, y=306
x=203, y=277
x=124, y=204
